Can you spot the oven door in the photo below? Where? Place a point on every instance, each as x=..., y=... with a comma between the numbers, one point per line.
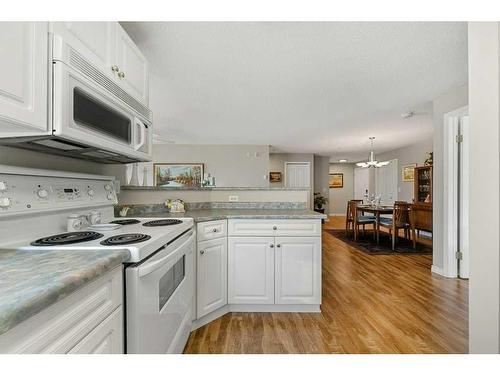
x=85, y=112
x=159, y=298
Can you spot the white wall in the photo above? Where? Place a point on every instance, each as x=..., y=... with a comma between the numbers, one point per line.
x=277, y=164
x=446, y=103
x=416, y=153
x=321, y=176
x=484, y=112
x=340, y=196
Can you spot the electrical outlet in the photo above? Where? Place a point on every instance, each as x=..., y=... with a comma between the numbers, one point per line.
x=233, y=198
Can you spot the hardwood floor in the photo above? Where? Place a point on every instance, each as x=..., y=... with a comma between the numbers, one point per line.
x=371, y=304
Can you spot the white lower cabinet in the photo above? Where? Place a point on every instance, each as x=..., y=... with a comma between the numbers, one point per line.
x=211, y=276
x=251, y=270
x=106, y=338
x=297, y=278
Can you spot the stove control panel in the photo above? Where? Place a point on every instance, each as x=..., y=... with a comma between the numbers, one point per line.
x=20, y=194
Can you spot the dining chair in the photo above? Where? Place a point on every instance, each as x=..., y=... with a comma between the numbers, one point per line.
x=420, y=219
x=356, y=220
x=400, y=220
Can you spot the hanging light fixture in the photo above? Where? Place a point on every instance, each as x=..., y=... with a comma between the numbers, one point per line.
x=371, y=159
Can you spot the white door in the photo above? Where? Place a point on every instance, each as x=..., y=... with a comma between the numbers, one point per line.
x=23, y=78
x=361, y=182
x=95, y=41
x=106, y=338
x=386, y=182
x=297, y=175
x=133, y=74
x=251, y=270
x=298, y=270
x=211, y=276
x=464, y=198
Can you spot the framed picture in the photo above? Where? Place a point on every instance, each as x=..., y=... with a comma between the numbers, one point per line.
x=336, y=180
x=178, y=175
x=274, y=177
x=407, y=172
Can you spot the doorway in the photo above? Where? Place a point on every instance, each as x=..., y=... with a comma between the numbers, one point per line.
x=456, y=194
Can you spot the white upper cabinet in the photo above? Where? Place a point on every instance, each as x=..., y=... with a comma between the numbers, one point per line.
x=107, y=47
x=23, y=78
x=95, y=41
x=133, y=67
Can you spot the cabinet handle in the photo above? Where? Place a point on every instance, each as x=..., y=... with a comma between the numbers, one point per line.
x=121, y=74
x=271, y=245
x=115, y=68
x=274, y=228
x=214, y=230
x=202, y=252
x=278, y=245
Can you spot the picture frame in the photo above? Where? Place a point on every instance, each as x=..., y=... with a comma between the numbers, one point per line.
x=336, y=180
x=178, y=175
x=408, y=172
x=275, y=177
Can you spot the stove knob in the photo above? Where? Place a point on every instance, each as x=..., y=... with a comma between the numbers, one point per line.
x=108, y=187
x=110, y=196
x=42, y=193
x=4, y=202
x=3, y=186
x=90, y=192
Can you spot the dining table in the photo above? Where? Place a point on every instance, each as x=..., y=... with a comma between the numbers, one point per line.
x=377, y=211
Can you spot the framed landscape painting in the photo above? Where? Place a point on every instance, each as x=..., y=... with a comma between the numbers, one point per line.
x=336, y=180
x=174, y=175
x=407, y=172
x=274, y=177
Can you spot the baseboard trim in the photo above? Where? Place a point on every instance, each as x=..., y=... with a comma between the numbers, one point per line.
x=437, y=270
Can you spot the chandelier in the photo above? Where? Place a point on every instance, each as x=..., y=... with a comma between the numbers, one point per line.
x=371, y=159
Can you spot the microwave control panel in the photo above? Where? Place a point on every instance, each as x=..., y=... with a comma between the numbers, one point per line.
x=22, y=194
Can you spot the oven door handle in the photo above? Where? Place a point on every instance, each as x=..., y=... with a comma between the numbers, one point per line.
x=147, y=268
x=142, y=135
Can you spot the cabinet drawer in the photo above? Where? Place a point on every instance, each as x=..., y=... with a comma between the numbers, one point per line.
x=210, y=230
x=63, y=325
x=106, y=338
x=282, y=227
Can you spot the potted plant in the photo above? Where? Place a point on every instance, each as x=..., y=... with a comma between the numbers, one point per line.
x=319, y=202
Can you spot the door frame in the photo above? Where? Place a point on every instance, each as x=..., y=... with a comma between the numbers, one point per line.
x=451, y=192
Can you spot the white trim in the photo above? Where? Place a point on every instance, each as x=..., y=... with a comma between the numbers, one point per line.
x=450, y=191
x=437, y=270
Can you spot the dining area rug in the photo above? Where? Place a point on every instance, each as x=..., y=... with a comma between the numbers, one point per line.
x=367, y=244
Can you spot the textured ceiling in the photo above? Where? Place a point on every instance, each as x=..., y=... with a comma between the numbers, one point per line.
x=320, y=87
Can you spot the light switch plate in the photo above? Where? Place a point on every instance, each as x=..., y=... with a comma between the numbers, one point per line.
x=233, y=198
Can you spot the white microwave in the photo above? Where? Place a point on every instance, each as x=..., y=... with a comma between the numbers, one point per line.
x=91, y=117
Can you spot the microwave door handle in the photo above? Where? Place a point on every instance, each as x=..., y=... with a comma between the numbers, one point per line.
x=147, y=268
x=142, y=136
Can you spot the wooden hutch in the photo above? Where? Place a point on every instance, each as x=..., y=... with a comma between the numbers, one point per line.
x=421, y=213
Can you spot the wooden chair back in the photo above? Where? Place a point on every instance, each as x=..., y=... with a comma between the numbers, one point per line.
x=352, y=210
x=401, y=215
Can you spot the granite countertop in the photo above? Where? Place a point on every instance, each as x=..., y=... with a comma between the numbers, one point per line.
x=31, y=281
x=231, y=213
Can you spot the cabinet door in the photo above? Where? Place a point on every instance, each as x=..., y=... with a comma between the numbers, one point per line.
x=211, y=276
x=95, y=41
x=298, y=270
x=134, y=70
x=106, y=338
x=23, y=78
x=251, y=270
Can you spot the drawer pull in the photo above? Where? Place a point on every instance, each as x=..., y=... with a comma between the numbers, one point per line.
x=275, y=227
x=271, y=245
x=214, y=230
x=278, y=245
x=202, y=252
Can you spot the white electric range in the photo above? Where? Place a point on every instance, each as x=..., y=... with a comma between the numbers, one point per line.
x=35, y=206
